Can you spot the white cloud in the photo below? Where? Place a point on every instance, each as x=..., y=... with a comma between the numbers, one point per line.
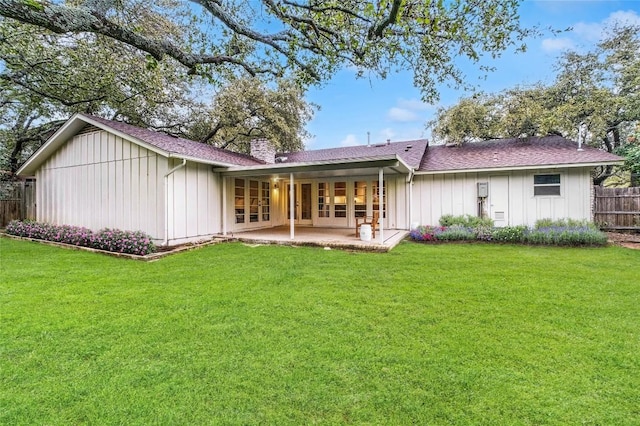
x=386, y=133
x=624, y=17
x=557, y=44
x=413, y=104
x=350, y=140
x=408, y=110
x=596, y=31
x=591, y=32
x=401, y=114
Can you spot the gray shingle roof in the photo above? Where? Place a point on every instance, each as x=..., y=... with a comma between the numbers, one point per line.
x=180, y=146
x=411, y=152
x=505, y=153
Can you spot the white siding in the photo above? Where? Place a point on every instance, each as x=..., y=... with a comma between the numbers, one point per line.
x=99, y=180
x=455, y=193
x=194, y=195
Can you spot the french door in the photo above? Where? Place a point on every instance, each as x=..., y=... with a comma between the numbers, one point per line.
x=252, y=202
x=302, y=203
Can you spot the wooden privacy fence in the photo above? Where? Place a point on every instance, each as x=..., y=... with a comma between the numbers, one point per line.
x=617, y=208
x=17, y=201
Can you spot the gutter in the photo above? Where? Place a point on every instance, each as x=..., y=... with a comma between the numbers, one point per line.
x=165, y=242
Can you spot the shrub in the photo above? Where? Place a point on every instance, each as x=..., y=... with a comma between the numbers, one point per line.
x=564, y=223
x=131, y=242
x=457, y=233
x=467, y=221
x=484, y=233
x=425, y=233
x=566, y=236
x=509, y=234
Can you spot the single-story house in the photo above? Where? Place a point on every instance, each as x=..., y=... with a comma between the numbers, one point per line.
x=100, y=173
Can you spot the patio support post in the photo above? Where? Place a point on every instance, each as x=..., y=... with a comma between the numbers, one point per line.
x=224, y=205
x=381, y=203
x=292, y=190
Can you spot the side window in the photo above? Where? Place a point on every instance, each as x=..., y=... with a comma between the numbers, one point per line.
x=546, y=185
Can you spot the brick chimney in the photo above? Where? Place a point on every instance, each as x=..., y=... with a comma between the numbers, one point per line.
x=263, y=150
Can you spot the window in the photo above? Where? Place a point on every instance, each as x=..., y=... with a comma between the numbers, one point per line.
x=546, y=185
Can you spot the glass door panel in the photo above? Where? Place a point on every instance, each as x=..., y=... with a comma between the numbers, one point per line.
x=239, y=200
x=340, y=199
x=254, y=208
x=305, y=201
x=266, y=202
x=360, y=199
x=376, y=198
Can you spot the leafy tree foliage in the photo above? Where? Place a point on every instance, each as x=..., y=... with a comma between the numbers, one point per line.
x=247, y=109
x=309, y=39
x=141, y=61
x=45, y=77
x=595, y=98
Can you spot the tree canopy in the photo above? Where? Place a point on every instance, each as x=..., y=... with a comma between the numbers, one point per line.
x=595, y=98
x=309, y=40
x=247, y=109
x=157, y=63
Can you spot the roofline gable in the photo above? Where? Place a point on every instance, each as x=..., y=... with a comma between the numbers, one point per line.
x=68, y=130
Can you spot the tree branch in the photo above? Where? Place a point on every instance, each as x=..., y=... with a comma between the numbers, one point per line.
x=65, y=19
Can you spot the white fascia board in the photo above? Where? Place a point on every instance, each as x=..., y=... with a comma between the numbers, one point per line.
x=53, y=143
x=507, y=169
x=380, y=161
x=200, y=160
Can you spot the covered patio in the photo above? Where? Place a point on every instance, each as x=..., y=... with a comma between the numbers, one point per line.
x=341, y=238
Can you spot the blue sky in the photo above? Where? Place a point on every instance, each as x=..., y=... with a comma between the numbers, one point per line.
x=392, y=108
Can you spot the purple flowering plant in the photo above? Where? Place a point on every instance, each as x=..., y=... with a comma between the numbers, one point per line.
x=114, y=240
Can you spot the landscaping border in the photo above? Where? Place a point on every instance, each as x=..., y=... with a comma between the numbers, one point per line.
x=147, y=258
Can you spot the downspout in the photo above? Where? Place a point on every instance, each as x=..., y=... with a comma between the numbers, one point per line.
x=165, y=242
x=292, y=206
x=410, y=182
x=381, y=202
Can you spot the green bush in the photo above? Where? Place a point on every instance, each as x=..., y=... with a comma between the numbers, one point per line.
x=509, y=234
x=457, y=233
x=467, y=221
x=564, y=223
x=566, y=236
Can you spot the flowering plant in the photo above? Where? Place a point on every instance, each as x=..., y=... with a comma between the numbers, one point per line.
x=114, y=240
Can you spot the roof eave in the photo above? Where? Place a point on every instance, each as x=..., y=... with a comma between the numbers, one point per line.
x=528, y=167
x=391, y=161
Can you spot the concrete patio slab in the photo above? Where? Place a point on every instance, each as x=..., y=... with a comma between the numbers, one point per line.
x=340, y=238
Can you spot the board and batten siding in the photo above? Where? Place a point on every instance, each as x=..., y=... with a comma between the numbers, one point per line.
x=194, y=208
x=99, y=180
x=456, y=193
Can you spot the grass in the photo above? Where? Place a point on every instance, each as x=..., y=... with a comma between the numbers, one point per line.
x=229, y=334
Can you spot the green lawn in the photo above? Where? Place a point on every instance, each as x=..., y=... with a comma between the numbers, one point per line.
x=230, y=334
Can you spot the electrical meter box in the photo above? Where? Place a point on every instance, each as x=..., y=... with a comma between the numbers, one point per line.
x=483, y=189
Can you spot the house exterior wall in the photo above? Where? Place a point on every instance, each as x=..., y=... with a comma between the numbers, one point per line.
x=194, y=207
x=99, y=180
x=456, y=193
x=396, y=201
